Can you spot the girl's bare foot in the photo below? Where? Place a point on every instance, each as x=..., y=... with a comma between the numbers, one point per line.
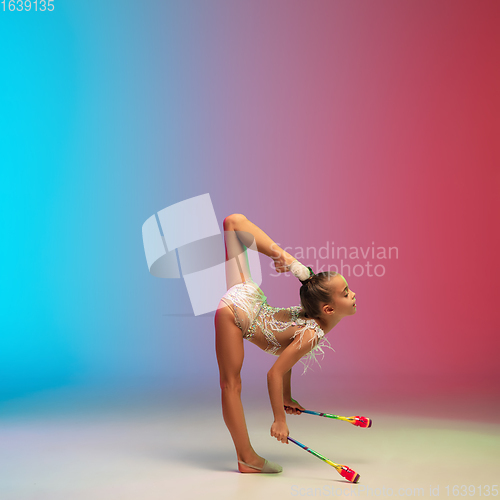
x=282, y=261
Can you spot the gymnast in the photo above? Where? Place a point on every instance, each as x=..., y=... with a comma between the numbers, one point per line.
x=289, y=333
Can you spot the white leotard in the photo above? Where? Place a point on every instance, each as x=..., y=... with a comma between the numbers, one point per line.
x=277, y=325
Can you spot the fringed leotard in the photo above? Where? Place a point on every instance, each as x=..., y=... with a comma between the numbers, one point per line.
x=271, y=328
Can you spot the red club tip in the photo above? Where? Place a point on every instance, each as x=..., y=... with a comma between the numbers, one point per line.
x=349, y=474
x=362, y=422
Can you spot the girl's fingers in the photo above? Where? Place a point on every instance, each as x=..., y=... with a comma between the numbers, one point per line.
x=282, y=439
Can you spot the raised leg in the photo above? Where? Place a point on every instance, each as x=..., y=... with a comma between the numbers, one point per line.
x=239, y=234
x=230, y=353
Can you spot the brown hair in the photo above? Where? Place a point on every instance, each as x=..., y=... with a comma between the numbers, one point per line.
x=314, y=291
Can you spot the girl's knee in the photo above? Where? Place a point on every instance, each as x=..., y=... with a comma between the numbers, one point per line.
x=231, y=220
x=232, y=384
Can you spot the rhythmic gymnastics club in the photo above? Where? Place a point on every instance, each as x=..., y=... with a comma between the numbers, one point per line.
x=358, y=421
x=343, y=470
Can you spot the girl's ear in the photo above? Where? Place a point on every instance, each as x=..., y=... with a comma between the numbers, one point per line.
x=328, y=309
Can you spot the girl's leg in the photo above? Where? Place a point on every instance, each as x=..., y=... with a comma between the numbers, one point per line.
x=241, y=233
x=237, y=268
x=230, y=352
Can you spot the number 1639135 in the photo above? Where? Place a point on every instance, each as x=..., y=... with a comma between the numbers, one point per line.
x=27, y=5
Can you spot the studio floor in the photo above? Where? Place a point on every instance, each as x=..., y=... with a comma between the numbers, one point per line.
x=62, y=445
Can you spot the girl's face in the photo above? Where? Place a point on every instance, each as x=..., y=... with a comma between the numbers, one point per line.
x=344, y=299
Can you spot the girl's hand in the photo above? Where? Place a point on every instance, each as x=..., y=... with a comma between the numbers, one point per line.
x=279, y=430
x=292, y=407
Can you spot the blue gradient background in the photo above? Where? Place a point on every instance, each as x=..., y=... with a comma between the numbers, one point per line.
x=321, y=121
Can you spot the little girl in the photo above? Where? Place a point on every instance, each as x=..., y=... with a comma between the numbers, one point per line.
x=289, y=333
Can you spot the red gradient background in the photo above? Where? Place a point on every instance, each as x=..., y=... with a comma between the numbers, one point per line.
x=365, y=122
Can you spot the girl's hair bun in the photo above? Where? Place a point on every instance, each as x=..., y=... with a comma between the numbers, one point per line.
x=311, y=276
x=300, y=271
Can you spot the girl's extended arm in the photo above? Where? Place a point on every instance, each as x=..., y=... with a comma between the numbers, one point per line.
x=275, y=376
